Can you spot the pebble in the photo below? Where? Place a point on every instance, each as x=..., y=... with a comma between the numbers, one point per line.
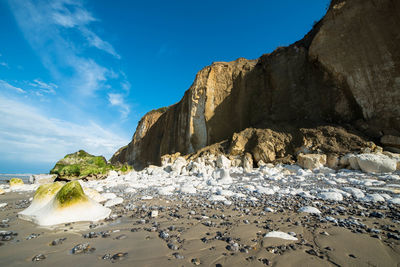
x=82, y=248
x=120, y=237
x=39, y=257
x=178, y=256
x=58, y=241
x=196, y=261
x=119, y=256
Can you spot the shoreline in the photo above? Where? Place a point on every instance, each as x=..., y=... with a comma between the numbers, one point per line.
x=163, y=221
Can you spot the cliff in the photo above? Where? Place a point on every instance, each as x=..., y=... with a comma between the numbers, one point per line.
x=341, y=81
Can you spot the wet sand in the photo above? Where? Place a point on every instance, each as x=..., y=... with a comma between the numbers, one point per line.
x=190, y=231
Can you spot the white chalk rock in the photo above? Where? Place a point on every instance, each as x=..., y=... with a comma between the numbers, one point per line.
x=108, y=195
x=178, y=165
x=2, y=205
x=309, y=209
x=377, y=163
x=94, y=194
x=42, y=178
x=43, y=195
x=373, y=198
x=395, y=201
x=188, y=189
x=281, y=235
x=311, y=161
x=154, y=213
x=223, y=162
x=355, y=192
x=70, y=204
x=216, y=198
x=113, y=202
x=333, y=196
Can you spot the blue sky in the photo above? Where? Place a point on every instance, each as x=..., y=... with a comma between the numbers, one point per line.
x=80, y=74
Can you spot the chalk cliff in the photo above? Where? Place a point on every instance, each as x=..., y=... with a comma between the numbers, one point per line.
x=341, y=83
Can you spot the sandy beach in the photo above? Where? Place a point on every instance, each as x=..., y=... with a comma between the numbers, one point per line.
x=149, y=229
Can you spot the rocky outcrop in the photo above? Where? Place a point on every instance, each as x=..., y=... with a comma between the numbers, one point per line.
x=81, y=165
x=344, y=74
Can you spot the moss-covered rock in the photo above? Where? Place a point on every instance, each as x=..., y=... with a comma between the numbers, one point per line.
x=70, y=194
x=43, y=195
x=16, y=182
x=47, y=191
x=80, y=165
x=53, y=205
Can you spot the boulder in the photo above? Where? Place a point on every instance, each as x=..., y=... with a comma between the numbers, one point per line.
x=69, y=204
x=15, y=182
x=247, y=162
x=223, y=162
x=311, y=161
x=41, y=198
x=332, y=161
x=80, y=165
x=42, y=178
x=376, y=163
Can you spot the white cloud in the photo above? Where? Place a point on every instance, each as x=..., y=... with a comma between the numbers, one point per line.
x=118, y=101
x=6, y=86
x=48, y=28
x=48, y=88
x=28, y=135
x=4, y=64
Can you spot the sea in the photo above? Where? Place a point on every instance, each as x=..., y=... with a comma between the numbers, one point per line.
x=4, y=177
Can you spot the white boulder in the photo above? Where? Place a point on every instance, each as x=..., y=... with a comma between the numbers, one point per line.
x=376, y=163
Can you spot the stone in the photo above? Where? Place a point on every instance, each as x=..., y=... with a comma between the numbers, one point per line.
x=67, y=204
x=39, y=257
x=376, y=163
x=154, y=214
x=42, y=178
x=223, y=162
x=248, y=162
x=311, y=161
x=332, y=196
x=332, y=161
x=113, y=202
x=80, y=165
x=16, y=182
x=281, y=235
x=309, y=209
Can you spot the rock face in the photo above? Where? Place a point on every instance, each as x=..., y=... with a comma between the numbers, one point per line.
x=345, y=71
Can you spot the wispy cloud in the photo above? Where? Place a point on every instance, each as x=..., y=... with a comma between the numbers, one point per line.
x=6, y=86
x=118, y=101
x=49, y=27
x=47, y=88
x=26, y=134
x=4, y=64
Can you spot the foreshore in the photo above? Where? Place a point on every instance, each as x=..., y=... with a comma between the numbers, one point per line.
x=184, y=221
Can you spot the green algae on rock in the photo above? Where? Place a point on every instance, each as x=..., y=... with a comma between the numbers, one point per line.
x=43, y=195
x=47, y=190
x=80, y=165
x=68, y=204
x=71, y=193
x=16, y=182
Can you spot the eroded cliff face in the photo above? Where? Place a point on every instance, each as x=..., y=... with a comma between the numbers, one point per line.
x=345, y=71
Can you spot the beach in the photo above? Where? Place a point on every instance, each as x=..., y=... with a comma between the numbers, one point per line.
x=188, y=220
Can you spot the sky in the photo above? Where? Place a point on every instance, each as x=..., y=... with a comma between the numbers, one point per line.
x=80, y=74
